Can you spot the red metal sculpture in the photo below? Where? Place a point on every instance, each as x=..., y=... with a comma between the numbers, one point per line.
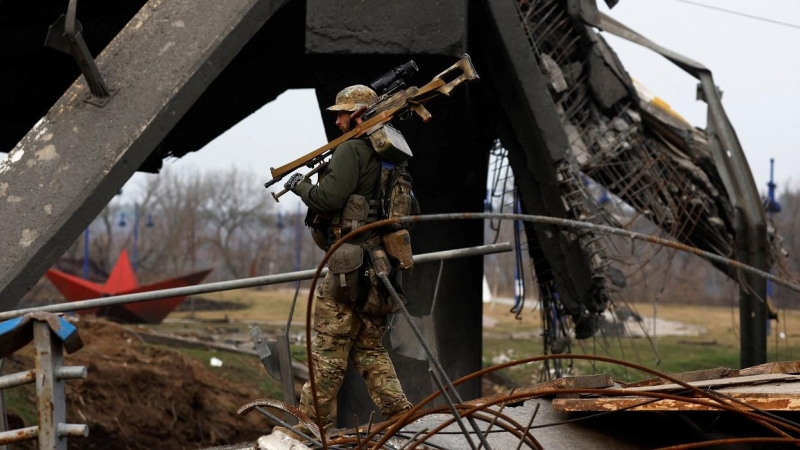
x=123, y=281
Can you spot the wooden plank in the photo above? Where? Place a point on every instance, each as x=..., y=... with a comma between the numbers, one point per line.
x=723, y=372
x=696, y=375
x=717, y=382
x=768, y=402
x=773, y=367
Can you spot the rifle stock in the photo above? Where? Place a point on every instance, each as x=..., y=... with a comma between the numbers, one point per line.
x=384, y=111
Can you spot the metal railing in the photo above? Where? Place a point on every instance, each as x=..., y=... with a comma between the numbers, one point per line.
x=238, y=284
x=49, y=376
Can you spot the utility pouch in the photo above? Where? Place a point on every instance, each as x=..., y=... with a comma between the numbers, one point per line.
x=317, y=221
x=319, y=225
x=321, y=238
x=344, y=266
x=398, y=246
x=378, y=301
x=355, y=213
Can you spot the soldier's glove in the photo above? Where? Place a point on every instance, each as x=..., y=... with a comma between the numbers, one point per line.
x=294, y=180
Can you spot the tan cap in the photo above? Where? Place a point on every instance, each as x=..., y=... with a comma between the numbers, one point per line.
x=354, y=97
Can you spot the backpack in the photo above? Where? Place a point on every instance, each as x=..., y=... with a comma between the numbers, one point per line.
x=397, y=198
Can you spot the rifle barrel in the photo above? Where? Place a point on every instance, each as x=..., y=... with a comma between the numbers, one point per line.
x=311, y=172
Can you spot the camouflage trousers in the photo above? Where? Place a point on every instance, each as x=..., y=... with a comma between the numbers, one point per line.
x=342, y=333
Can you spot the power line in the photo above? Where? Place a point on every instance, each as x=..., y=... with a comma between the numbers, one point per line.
x=736, y=13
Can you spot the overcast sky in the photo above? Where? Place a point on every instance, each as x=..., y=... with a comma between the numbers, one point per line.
x=755, y=63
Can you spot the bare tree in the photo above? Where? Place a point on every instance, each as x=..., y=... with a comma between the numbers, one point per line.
x=236, y=209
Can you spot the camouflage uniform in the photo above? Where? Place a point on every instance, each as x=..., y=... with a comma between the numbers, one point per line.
x=348, y=329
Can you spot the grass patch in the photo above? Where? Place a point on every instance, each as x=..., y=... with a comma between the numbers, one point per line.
x=21, y=400
x=238, y=369
x=518, y=338
x=718, y=346
x=263, y=306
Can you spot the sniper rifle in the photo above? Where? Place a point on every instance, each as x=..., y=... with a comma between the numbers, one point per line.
x=393, y=102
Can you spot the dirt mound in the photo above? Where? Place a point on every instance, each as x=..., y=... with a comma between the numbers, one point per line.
x=139, y=396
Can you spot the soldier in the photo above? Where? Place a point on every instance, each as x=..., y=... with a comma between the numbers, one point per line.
x=351, y=307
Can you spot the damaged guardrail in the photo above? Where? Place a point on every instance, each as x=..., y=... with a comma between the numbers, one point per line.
x=51, y=335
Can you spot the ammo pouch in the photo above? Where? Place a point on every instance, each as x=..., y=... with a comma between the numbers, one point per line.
x=345, y=268
x=390, y=144
x=398, y=246
x=354, y=214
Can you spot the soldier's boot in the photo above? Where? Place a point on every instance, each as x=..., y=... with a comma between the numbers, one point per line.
x=399, y=413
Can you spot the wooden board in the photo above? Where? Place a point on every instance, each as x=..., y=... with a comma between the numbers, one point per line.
x=771, y=392
x=768, y=402
x=722, y=382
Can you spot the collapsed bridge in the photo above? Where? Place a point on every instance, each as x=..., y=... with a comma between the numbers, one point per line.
x=179, y=73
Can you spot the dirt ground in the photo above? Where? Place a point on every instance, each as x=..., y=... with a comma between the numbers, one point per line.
x=139, y=396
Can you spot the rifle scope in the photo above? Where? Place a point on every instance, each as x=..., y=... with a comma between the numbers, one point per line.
x=394, y=78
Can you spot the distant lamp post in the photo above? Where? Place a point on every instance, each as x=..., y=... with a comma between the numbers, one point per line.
x=123, y=223
x=86, y=254
x=135, y=237
x=772, y=207
x=148, y=224
x=298, y=236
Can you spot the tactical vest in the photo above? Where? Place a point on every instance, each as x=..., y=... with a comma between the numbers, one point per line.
x=393, y=198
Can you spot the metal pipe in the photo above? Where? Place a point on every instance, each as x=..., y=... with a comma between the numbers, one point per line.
x=17, y=379
x=72, y=430
x=240, y=284
x=453, y=408
x=71, y=373
x=22, y=434
x=431, y=358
